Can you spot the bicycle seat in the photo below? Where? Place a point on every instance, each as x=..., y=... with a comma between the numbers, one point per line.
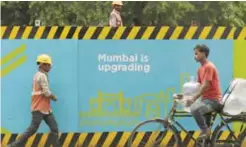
x=218, y=109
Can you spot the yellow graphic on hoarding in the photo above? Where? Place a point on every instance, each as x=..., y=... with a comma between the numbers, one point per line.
x=121, y=106
x=239, y=59
x=5, y=131
x=239, y=65
x=118, y=105
x=10, y=57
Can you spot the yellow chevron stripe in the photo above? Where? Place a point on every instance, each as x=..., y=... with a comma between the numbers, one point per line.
x=13, y=54
x=242, y=34
x=124, y=138
x=219, y=32
x=224, y=135
x=162, y=33
x=27, y=31
x=95, y=139
x=43, y=140
x=152, y=138
x=3, y=29
x=167, y=138
x=76, y=33
x=30, y=140
x=13, y=65
x=183, y=135
x=81, y=139
x=68, y=139
x=148, y=32
x=17, y=136
x=231, y=34
x=190, y=33
x=109, y=139
x=59, y=134
x=236, y=134
x=176, y=33
x=138, y=138
x=39, y=32
x=6, y=139
x=89, y=32
x=65, y=32
x=192, y=142
x=104, y=33
x=119, y=32
x=133, y=33
x=243, y=142
x=205, y=32
x=52, y=32
x=14, y=32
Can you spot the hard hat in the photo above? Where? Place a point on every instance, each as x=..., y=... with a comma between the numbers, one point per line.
x=117, y=3
x=44, y=58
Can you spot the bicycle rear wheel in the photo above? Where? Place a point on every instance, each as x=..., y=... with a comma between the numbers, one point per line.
x=152, y=133
x=223, y=137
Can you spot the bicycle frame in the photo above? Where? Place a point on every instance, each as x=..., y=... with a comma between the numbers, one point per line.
x=170, y=120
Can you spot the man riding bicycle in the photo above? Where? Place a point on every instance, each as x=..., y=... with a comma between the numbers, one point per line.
x=209, y=95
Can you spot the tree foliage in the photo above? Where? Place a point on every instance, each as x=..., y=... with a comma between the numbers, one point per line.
x=144, y=13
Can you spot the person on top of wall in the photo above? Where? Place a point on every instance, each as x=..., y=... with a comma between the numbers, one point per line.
x=115, y=17
x=209, y=97
x=40, y=105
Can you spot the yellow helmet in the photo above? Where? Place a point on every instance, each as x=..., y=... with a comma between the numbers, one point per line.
x=117, y=3
x=44, y=58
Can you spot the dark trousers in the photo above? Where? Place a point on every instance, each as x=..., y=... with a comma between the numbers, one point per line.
x=201, y=107
x=37, y=118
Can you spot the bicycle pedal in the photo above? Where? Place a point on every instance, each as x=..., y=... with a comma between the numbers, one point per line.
x=202, y=142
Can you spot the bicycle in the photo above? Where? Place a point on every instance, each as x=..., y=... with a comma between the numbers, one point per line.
x=168, y=127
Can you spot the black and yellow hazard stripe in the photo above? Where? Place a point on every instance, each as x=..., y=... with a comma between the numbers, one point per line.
x=128, y=33
x=104, y=139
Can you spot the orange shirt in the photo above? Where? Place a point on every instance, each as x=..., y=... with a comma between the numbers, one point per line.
x=40, y=90
x=209, y=72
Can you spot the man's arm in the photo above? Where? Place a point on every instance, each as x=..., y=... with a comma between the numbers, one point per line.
x=45, y=87
x=208, y=77
x=204, y=86
x=198, y=77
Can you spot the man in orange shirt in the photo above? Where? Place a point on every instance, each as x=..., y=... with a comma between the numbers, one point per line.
x=40, y=106
x=208, y=98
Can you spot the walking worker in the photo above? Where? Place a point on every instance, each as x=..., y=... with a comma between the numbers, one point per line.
x=40, y=105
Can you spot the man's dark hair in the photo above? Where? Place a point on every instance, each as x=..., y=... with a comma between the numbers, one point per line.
x=202, y=48
x=38, y=63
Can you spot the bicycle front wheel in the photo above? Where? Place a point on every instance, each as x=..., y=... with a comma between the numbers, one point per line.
x=152, y=133
x=227, y=135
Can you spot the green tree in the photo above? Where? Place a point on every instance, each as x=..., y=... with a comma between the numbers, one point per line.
x=14, y=13
x=144, y=13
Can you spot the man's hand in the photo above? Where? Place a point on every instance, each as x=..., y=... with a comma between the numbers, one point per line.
x=178, y=96
x=54, y=98
x=190, y=101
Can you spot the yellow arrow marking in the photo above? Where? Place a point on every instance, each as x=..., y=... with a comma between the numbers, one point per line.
x=13, y=65
x=13, y=54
